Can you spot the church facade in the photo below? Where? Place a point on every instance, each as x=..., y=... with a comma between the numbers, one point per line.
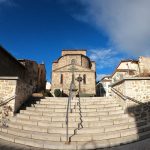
x=71, y=65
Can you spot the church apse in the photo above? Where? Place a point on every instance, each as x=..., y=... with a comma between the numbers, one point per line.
x=62, y=72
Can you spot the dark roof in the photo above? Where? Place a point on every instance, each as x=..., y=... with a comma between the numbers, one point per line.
x=26, y=60
x=129, y=60
x=10, y=56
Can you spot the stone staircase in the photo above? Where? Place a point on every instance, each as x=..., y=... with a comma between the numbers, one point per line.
x=99, y=123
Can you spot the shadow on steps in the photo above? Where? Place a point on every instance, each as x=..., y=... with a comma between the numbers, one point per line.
x=31, y=101
x=140, y=131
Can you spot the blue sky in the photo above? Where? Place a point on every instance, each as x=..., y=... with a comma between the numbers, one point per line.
x=40, y=29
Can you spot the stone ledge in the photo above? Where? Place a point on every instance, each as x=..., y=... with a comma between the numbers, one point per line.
x=8, y=78
x=133, y=78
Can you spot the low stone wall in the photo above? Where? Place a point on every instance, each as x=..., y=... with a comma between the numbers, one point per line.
x=7, y=87
x=23, y=92
x=13, y=86
x=136, y=87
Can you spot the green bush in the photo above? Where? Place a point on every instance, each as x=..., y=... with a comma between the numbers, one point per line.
x=57, y=93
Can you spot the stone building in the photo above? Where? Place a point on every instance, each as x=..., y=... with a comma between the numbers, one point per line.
x=18, y=79
x=132, y=68
x=31, y=72
x=35, y=74
x=103, y=87
x=144, y=66
x=74, y=61
x=131, y=80
x=41, y=77
x=126, y=68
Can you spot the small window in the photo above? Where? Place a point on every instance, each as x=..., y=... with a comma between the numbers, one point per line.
x=84, y=79
x=61, y=79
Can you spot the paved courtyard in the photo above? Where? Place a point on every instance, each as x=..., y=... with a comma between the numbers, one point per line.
x=142, y=145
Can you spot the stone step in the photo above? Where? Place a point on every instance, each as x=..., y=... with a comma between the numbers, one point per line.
x=47, y=123
x=70, y=114
x=35, y=135
x=37, y=143
x=72, y=118
x=74, y=106
x=74, y=110
x=76, y=98
x=88, y=127
x=100, y=134
x=44, y=129
x=75, y=102
x=82, y=144
x=110, y=128
x=94, y=133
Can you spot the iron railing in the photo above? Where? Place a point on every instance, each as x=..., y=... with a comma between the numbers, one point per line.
x=124, y=97
x=5, y=109
x=69, y=108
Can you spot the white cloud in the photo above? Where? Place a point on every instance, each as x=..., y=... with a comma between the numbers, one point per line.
x=127, y=22
x=104, y=58
x=3, y=1
x=7, y=2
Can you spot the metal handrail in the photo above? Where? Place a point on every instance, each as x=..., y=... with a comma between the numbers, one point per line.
x=7, y=100
x=67, y=112
x=124, y=97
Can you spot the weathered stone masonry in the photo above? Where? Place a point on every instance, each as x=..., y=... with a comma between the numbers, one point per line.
x=61, y=70
x=135, y=87
x=13, y=86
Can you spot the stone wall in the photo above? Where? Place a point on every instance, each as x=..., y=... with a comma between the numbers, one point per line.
x=82, y=52
x=7, y=87
x=23, y=92
x=136, y=87
x=88, y=88
x=41, y=77
x=144, y=64
x=13, y=86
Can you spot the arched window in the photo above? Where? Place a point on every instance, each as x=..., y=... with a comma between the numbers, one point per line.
x=84, y=79
x=61, y=79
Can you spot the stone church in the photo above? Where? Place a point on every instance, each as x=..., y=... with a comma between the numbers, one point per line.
x=71, y=65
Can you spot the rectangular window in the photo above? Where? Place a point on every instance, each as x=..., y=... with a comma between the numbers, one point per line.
x=84, y=79
x=61, y=79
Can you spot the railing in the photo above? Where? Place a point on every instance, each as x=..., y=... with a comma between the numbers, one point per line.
x=5, y=109
x=69, y=108
x=124, y=97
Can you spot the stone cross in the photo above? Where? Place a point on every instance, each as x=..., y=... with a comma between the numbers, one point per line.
x=73, y=69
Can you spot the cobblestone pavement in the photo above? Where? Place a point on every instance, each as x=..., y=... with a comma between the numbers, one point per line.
x=142, y=145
